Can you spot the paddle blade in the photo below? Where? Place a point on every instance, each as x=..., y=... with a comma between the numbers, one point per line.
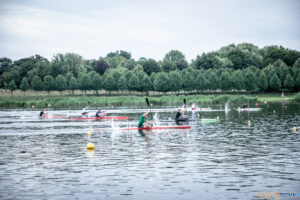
x=147, y=101
x=184, y=101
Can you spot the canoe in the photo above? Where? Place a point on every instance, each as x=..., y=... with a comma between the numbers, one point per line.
x=149, y=128
x=101, y=118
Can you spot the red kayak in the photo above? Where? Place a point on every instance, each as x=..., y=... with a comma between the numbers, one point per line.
x=149, y=128
x=101, y=118
x=55, y=116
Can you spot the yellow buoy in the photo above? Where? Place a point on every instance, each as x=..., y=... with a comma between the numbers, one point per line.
x=89, y=133
x=249, y=123
x=294, y=129
x=198, y=115
x=90, y=146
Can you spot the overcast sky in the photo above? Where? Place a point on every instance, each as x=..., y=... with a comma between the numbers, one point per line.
x=146, y=28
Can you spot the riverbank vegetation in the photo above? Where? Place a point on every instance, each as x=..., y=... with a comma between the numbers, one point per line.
x=233, y=68
x=94, y=101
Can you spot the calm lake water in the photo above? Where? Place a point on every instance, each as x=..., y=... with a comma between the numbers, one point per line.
x=230, y=159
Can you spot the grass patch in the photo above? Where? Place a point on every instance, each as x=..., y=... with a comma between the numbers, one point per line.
x=105, y=101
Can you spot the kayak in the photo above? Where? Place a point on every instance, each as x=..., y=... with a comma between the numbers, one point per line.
x=101, y=118
x=55, y=116
x=209, y=120
x=248, y=109
x=149, y=128
x=183, y=119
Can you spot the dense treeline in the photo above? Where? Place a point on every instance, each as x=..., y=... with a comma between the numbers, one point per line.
x=232, y=68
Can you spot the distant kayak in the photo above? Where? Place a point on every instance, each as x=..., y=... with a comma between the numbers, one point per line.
x=100, y=118
x=248, y=109
x=149, y=128
x=55, y=116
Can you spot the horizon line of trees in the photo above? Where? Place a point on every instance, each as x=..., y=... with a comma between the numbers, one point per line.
x=231, y=68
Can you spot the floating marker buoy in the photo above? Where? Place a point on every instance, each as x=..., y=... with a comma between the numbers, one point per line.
x=198, y=115
x=90, y=146
x=218, y=118
x=274, y=111
x=256, y=104
x=294, y=129
x=89, y=133
x=91, y=126
x=249, y=123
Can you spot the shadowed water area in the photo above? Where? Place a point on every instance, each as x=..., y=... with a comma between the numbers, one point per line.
x=242, y=154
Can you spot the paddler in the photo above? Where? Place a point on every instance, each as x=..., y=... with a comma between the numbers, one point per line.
x=84, y=112
x=180, y=116
x=143, y=120
x=42, y=113
x=99, y=113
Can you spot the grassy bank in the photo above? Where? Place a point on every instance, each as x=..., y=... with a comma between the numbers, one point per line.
x=80, y=101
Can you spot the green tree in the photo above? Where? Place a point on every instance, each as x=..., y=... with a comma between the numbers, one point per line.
x=36, y=84
x=213, y=81
x=289, y=82
x=116, y=73
x=85, y=83
x=109, y=83
x=201, y=82
x=133, y=83
x=168, y=66
x=48, y=83
x=297, y=64
x=177, y=58
x=225, y=81
x=275, y=83
x=274, y=53
x=73, y=84
x=5, y=64
x=122, y=84
x=238, y=80
x=146, y=84
x=68, y=76
x=262, y=81
x=207, y=61
x=60, y=83
x=12, y=87
x=97, y=83
x=128, y=75
x=69, y=62
x=297, y=83
x=188, y=82
x=24, y=85
x=175, y=81
x=250, y=83
x=161, y=82
x=150, y=66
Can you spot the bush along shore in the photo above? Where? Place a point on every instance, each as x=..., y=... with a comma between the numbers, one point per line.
x=80, y=101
